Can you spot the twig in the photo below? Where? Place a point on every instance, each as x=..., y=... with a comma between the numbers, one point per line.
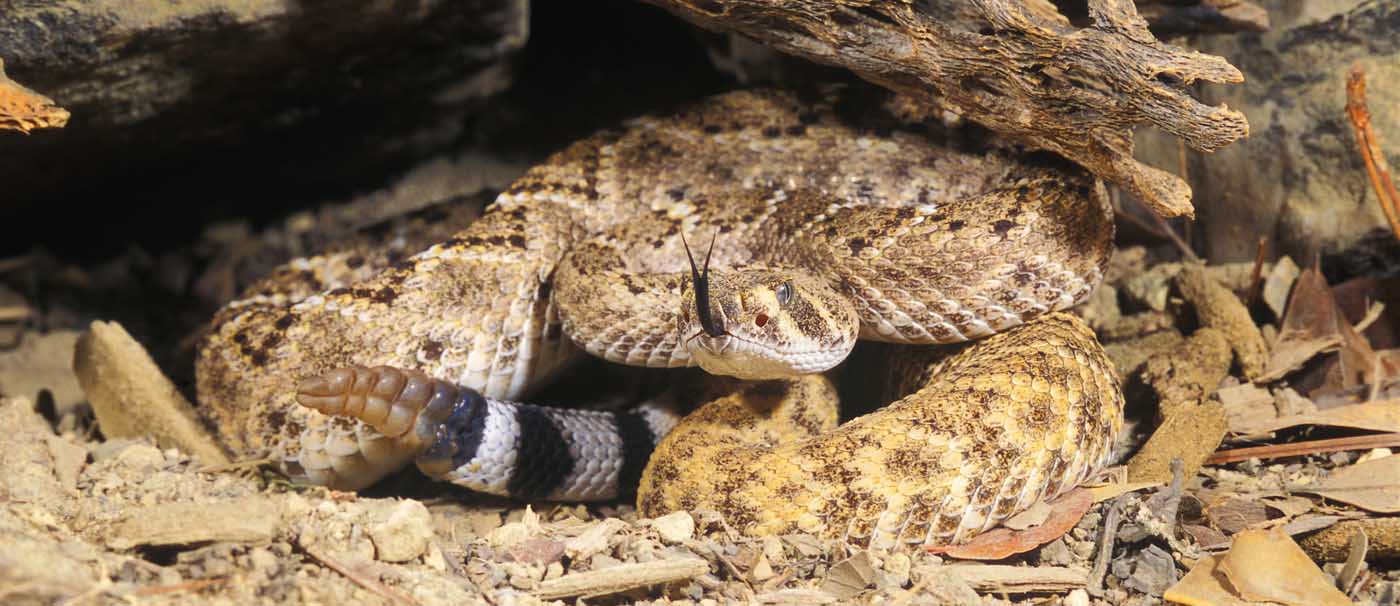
x=1376, y=166
x=1159, y=227
x=620, y=578
x=1256, y=280
x=374, y=586
x=1166, y=230
x=1105, y=548
x=1295, y=449
x=1001, y=578
x=194, y=585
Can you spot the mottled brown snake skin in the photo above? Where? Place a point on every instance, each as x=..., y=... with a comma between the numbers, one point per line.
x=832, y=219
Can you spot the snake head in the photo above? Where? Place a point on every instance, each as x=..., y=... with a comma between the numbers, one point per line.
x=770, y=323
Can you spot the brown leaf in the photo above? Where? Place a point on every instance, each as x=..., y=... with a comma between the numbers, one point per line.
x=1232, y=515
x=1247, y=406
x=1204, y=585
x=849, y=577
x=1373, y=485
x=999, y=543
x=1280, y=281
x=1309, y=326
x=1206, y=537
x=1309, y=523
x=1266, y=565
x=1111, y=491
x=1383, y=415
x=1290, y=506
x=538, y=550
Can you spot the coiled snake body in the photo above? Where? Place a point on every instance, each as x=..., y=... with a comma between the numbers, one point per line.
x=830, y=219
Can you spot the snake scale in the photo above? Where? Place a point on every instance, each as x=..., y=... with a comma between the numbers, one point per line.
x=814, y=220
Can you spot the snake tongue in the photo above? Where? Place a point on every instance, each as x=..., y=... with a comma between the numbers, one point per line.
x=702, y=289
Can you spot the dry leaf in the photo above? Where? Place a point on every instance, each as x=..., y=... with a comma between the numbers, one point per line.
x=849, y=577
x=1279, y=282
x=1290, y=506
x=1309, y=523
x=1266, y=565
x=1206, y=537
x=1204, y=585
x=1373, y=485
x=1383, y=415
x=1309, y=326
x=1112, y=491
x=1232, y=515
x=1247, y=406
x=1035, y=515
x=1289, y=403
x=999, y=543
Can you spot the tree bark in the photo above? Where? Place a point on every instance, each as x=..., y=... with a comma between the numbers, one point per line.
x=1017, y=67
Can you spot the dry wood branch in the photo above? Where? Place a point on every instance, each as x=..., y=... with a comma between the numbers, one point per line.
x=1376, y=166
x=195, y=585
x=371, y=584
x=1295, y=449
x=620, y=578
x=1018, y=68
x=1000, y=578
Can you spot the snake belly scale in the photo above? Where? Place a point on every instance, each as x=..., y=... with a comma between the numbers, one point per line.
x=832, y=219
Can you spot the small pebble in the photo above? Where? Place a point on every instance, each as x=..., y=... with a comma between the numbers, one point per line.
x=897, y=568
x=405, y=535
x=762, y=570
x=674, y=527
x=141, y=456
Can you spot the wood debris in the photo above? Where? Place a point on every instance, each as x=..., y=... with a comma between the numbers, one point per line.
x=24, y=110
x=620, y=578
x=1105, y=79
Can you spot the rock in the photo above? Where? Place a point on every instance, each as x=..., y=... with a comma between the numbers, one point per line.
x=42, y=362
x=140, y=456
x=149, y=81
x=1297, y=179
x=242, y=520
x=1153, y=572
x=405, y=535
x=674, y=527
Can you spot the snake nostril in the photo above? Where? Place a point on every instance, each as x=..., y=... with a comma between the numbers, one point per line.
x=760, y=319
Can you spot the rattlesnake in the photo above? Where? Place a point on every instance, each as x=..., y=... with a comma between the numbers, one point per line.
x=845, y=219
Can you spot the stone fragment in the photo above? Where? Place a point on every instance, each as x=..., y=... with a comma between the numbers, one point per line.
x=674, y=527
x=405, y=535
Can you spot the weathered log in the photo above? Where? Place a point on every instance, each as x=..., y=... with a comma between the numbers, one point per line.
x=1019, y=68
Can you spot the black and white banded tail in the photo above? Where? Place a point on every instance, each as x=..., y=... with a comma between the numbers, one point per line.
x=495, y=446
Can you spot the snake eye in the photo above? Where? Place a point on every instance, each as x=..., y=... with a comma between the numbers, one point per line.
x=784, y=293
